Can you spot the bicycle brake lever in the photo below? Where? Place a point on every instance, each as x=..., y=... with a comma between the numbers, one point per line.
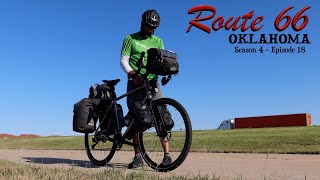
x=165, y=80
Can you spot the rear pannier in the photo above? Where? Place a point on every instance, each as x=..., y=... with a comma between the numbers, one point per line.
x=162, y=62
x=87, y=111
x=101, y=91
x=85, y=116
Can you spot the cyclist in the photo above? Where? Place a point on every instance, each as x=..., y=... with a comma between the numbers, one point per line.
x=132, y=47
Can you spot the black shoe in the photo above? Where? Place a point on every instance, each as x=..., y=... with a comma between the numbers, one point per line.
x=166, y=160
x=137, y=162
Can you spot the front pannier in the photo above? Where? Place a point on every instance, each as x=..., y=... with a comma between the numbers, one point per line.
x=162, y=62
x=84, y=115
x=166, y=117
x=143, y=116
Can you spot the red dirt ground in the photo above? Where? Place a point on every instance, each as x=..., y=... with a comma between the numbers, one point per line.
x=9, y=136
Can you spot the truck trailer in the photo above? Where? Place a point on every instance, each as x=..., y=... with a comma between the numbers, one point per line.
x=303, y=119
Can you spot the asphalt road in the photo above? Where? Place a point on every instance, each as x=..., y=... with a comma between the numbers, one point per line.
x=223, y=165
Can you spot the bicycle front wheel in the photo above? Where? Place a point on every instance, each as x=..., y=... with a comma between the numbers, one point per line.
x=176, y=138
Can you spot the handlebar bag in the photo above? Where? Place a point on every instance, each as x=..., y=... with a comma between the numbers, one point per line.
x=162, y=62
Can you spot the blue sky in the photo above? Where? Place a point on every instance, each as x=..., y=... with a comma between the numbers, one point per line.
x=52, y=51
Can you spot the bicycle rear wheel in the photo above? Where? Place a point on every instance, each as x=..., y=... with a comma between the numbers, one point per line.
x=179, y=136
x=99, y=148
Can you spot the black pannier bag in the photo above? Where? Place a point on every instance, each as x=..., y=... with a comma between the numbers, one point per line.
x=162, y=62
x=166, y=117
x=143, y=116
x=85, y=115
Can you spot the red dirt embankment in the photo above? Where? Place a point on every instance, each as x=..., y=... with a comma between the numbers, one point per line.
x=9, y=136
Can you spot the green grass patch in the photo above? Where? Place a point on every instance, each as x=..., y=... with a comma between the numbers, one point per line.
x=304, y=140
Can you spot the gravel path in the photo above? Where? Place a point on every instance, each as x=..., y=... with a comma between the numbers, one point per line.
x=225, y=166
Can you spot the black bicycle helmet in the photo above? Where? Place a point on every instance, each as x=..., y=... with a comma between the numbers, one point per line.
x=151, y=18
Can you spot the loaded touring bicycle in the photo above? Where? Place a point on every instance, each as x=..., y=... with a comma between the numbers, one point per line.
x=101, y=118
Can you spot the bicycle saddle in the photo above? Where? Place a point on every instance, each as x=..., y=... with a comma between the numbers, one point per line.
x=111, y=82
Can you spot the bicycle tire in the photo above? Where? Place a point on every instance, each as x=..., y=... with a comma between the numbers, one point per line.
x=182, y=129
x=103, y=151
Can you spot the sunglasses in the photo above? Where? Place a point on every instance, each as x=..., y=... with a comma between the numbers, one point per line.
x=149, y=27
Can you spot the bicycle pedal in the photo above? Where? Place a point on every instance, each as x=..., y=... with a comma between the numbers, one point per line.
x=118, y=144
x=103, y=138
x=93, y=146
x=118, y=147
x=99, y=137
x=95, y=140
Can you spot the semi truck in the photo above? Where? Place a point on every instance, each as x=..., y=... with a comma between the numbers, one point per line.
x=303, y=119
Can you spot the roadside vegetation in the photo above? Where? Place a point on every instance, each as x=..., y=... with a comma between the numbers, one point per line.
x=293, y=140
x=21, y=171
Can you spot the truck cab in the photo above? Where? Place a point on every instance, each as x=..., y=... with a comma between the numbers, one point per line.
x=227, y=124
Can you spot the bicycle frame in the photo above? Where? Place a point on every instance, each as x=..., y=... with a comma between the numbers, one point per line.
x=118, y=138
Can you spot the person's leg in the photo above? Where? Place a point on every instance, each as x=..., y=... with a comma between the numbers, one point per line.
x=131, y=97
x=135, y=141
x=165, y=145
x=137, y=160
x=165, y=142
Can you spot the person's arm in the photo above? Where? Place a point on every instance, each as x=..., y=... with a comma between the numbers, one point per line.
x=125, y=56
x=124, y=63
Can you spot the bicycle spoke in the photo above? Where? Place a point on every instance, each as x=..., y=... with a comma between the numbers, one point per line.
x=179, y=137
x=99, y=150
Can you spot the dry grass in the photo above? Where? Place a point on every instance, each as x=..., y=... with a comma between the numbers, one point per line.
x=22, y=171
